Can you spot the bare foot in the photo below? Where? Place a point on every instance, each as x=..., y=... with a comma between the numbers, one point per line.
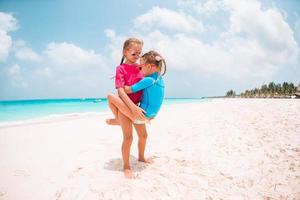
x=112, y=122
x=128, y=174
x=148, y=160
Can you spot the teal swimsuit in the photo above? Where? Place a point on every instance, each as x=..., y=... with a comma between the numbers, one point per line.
x=153, y=93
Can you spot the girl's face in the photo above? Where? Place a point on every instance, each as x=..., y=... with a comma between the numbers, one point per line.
x=146, y=69
x=133, y=53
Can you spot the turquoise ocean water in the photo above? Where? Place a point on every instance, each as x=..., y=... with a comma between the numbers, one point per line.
x=30, y=109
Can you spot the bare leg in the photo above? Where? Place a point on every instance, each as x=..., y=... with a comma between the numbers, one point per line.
x=142, y=135
x=118, y=105
x=114, y=110
x=112, y=121
x=126, y=125
x=112, y=107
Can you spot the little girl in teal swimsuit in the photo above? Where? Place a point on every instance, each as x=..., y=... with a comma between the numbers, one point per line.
x=153, y=67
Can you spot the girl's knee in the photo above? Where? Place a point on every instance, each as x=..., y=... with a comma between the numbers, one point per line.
x=128, y=138
x=110, y=96
x=143, y=136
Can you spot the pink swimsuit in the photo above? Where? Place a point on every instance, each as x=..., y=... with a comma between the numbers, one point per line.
x=129, y=74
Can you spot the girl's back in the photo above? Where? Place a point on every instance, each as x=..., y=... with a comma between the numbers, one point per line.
x=153, y=94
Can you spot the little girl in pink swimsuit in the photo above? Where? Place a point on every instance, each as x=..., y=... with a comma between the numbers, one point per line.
x=127, y=74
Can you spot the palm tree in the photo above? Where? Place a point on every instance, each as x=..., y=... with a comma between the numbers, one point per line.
x=278, y=90
x=230, y=93
x=271, y=88
x=298, y=91
x=247, y=93
x=285, y=86
x=264, y=90
x=256, y=92
x=292, y=89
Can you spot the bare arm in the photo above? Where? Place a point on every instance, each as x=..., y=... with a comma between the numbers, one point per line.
x=127, y=89
x=125, y=98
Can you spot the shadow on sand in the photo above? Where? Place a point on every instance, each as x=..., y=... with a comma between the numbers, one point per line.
x=116, y=164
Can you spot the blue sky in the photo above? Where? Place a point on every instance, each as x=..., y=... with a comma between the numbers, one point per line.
x=69, y=49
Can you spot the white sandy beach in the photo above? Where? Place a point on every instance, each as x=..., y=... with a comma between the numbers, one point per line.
x=219, y=149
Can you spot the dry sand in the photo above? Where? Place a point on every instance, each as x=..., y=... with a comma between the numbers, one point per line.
x=220, y=149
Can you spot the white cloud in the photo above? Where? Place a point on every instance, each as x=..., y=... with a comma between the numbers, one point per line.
x=208, y=7
x=189, y=53
x=163, y=18
x=266, y=27
x=256, y=45
x=115, y=45
x=45, y=72
x=23, y=52
x=203, y=7
x=15, y=74
x=5, y=41
x=297, y=28
x=65, y=70
x=71, y=56
x=65, y=65
x=110, y=33
x=7, y=23
x=186, y=2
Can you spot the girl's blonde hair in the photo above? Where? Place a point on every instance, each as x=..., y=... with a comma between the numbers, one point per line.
x=152, y=57
x=128, y=43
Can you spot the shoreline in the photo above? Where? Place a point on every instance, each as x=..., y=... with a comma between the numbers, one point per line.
x=51, y=119
x=64, y=116
x=68, y=116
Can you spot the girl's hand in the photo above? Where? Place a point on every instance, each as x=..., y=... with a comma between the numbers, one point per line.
x=127, y=89
x=138, y=113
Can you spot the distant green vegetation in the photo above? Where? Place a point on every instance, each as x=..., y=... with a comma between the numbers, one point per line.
x=230, y=93
x=272, y=90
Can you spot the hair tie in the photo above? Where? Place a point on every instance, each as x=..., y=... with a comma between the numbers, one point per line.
x=158, y=58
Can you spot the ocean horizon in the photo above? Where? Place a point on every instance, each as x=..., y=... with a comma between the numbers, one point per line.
x=27, y=109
